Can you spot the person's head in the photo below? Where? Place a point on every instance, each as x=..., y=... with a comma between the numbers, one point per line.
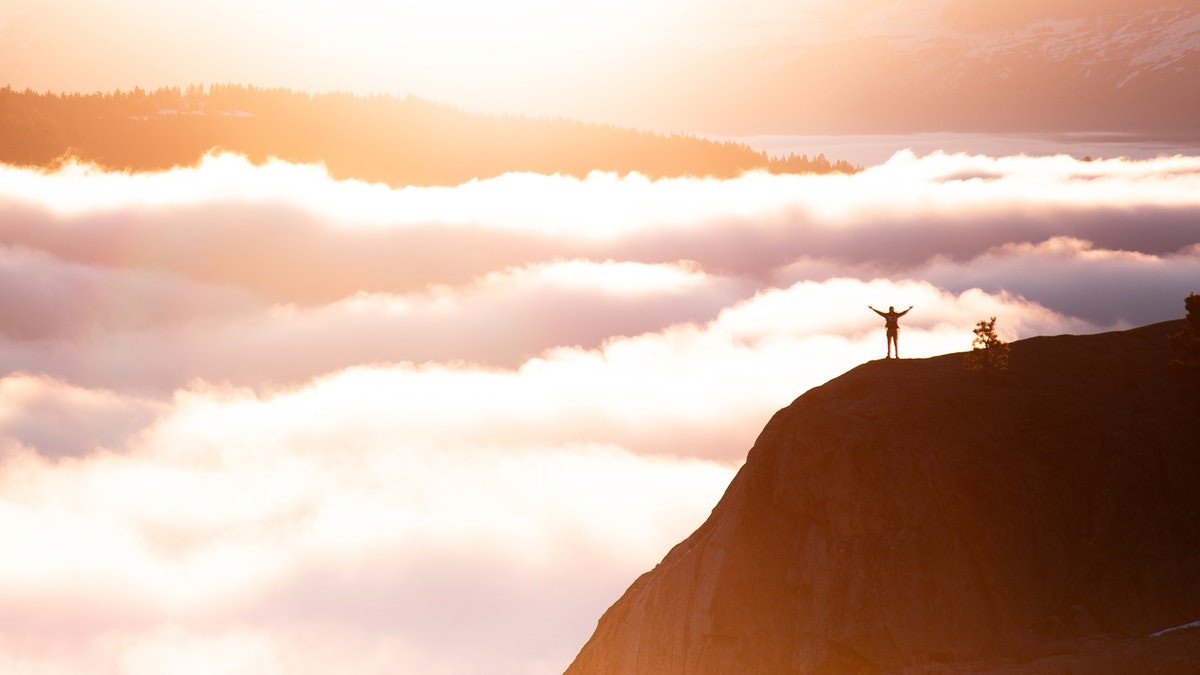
x=891, y=308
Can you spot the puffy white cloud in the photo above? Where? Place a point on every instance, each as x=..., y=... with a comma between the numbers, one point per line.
x=1104, y=286
x=181, y=331
x=264, y=421
x=44, y=297
x=320, y=240
x=63, y=420
x=314, y=507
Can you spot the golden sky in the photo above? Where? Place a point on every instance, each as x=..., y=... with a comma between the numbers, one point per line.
x=541, y=56
x=703, y=66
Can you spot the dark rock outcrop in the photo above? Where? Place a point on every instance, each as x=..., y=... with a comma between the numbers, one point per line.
x=908, y=517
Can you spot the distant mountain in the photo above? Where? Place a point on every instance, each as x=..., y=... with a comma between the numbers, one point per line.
x=908, y=517
x=376, y=138
x=948, y=65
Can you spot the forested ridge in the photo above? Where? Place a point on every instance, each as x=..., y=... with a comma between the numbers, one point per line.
x=399, y=141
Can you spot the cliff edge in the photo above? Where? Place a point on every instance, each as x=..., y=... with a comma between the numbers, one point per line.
x=908, y=517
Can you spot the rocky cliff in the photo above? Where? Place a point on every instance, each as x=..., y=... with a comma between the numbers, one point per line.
x=907, y=517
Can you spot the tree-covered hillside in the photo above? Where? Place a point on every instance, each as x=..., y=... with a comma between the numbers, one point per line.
x=405, y=141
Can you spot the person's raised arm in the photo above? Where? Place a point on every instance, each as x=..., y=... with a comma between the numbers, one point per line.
x=905, y=311
x=875, y=310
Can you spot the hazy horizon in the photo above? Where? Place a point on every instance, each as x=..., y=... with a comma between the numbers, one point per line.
x=872, y=149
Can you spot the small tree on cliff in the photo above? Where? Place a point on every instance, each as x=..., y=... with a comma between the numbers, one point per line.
x=988, y=352
x=1186, y=343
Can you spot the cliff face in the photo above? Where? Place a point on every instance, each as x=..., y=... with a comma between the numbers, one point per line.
x=908, y=517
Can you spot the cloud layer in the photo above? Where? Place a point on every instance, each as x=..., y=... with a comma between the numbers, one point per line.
x=258, y=419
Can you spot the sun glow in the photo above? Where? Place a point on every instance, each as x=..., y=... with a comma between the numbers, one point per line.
x=496, y=56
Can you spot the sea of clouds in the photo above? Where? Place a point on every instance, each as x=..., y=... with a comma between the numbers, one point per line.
x=256, y=420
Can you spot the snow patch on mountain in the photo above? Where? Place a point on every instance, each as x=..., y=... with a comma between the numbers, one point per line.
x=1173, y=40
x=1128, y=44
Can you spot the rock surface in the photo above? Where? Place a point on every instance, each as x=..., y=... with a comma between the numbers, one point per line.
x=907, y=517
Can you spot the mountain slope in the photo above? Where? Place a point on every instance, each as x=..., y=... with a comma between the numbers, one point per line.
x=906, y=516
x=1127, y=66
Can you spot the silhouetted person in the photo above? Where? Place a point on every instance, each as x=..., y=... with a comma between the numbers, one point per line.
x=892, y=321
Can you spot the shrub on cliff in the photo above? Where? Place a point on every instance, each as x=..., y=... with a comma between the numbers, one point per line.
x=1185, y=344
x=989, y=354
